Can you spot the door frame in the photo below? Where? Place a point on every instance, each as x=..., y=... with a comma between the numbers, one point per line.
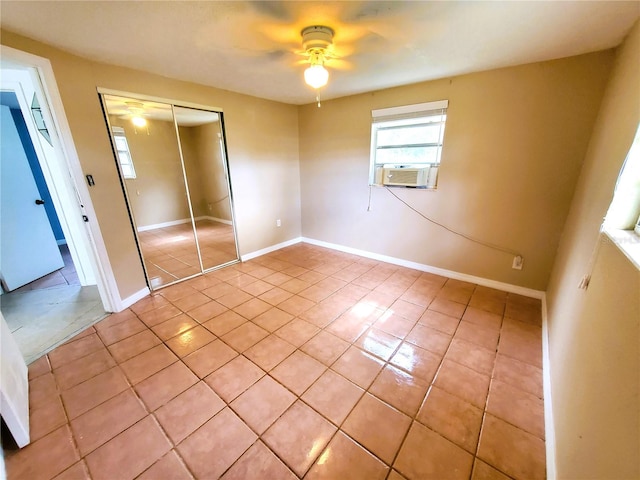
x=66, y=178
x=14, y=388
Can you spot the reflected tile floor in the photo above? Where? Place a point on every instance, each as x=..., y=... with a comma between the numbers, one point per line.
x=303, y=363
x=170, y=252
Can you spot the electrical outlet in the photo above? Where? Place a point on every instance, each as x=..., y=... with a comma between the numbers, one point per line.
x=517, y=262
x=278, y=223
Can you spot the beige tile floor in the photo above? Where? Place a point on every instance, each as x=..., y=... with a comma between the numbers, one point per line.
x=304, y=363
x=48, y=311
x=170, y=253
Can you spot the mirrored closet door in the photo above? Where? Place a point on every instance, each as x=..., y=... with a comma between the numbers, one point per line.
x=173, y=166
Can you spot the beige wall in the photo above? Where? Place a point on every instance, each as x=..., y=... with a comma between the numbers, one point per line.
x=514, y=142
x=157, y=194
x=262, y=140
x=214, y=198
x=190, y=156
x=594, y=336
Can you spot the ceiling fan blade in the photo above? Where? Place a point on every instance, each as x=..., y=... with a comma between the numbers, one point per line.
x=278, y=10
x=377, y=10
x=339, y=64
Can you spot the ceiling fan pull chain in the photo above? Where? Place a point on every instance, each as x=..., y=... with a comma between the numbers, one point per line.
x=318, y=97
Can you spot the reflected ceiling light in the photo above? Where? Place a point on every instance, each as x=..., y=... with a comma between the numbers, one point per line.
x=136, y=109
x=316, y=41
x=138, y=121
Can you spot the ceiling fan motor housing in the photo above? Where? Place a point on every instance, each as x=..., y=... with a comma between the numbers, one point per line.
x=317, y=37
x=135, y=108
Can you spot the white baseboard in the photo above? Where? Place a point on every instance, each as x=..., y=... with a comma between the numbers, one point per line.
x=272, y=248
x=181, y=221
x=549, y=425
x=131, y=299
x=164, y=224
x=485, y=282
x=214, y=219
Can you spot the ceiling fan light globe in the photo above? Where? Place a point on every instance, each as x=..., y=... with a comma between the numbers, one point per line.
x=316, y=76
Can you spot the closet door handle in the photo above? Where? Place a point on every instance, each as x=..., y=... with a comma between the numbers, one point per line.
x=39, y=202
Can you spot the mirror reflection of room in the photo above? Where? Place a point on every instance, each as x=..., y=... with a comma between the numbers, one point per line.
x=154, y=160
x=204, y=156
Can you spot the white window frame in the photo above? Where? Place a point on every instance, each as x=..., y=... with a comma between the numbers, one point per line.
x=426, y=173
x=622, y=222
x=124, y=155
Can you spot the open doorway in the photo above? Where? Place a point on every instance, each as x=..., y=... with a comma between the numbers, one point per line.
x=52, y=281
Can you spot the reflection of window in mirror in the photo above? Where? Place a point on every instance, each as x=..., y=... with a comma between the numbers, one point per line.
x=36, y=112
x=622, y=222
x=124, y=155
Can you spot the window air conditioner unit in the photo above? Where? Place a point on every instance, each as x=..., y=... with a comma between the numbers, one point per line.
x=410, y=177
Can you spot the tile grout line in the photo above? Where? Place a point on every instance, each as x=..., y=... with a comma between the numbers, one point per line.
x=139, y=400
x=485, y=411
x=299, y=397
x=352, y=343
x=173, y=446
x=298, y=348
x=387, y=363
x=431, y=385
x=68, y=421
x=227, y=404
x=117, y=365
x=367, y=390
x=486, y=402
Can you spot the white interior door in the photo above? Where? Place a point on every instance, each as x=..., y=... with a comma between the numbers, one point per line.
x=28, y=248
x=66, y=201
x=14, y=387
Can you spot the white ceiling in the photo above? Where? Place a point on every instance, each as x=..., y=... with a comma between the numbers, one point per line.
x=250, y=46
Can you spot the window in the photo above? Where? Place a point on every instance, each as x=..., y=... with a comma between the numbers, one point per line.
x=124, y=155
x=624, y=211
x=406, y=144
x=622, y=222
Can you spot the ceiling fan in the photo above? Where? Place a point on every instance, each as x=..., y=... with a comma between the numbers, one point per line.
x=324, y=37
x=128, y=109
x=316, y=41
x=136, y=113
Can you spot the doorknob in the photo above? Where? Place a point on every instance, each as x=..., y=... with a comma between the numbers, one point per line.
x=39, y=202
